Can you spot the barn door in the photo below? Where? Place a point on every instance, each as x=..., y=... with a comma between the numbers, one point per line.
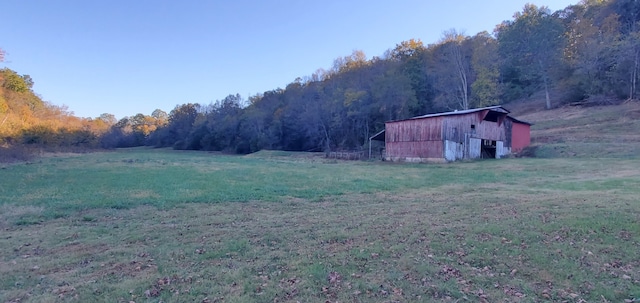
x=499, y=149
x=474, y=148
x=449, y=150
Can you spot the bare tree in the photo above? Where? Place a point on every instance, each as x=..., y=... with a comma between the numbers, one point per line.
x=452, y=66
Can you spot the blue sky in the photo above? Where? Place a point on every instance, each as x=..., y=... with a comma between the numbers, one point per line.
x=128, y=57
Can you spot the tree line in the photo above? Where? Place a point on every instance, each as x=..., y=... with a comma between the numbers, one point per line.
x=25, y=119
x=588, y=51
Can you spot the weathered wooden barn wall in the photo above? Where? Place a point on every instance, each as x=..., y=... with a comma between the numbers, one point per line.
x=456, y=127
x=508, y=132
x=415, y=151
x=468, y=130
x=455, y=135
x=416, y=138
x=414, y=130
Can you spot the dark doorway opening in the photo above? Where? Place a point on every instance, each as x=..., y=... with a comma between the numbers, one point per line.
x=488, y=149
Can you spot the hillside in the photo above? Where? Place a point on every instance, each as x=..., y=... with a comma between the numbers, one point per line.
x=576, y=131
x=585, y=52
x=26, y=119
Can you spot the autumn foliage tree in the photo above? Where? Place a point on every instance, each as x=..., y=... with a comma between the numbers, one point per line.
x=588, y=51
x=26, y=120
x=532, y=46
x=585, y=50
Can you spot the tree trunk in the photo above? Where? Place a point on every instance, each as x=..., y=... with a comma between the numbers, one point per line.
x=462, y=75
x=327, y=143
x=465, y=91
x=634, y=76
x=546, y=85
x=366, y=132
x=546, y=94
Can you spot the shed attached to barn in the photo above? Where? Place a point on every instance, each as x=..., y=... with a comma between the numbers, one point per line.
x=487, y=132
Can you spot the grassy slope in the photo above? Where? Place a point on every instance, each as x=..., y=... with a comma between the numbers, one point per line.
x=600, y=131
x=158, y=225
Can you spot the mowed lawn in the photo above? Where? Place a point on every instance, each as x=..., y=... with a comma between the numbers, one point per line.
x=146, y=225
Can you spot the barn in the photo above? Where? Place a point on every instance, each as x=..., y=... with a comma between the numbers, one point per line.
x=487, y=132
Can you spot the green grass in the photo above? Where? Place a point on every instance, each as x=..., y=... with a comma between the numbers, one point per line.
x=129, y=179
x=594, y=132
x=159, y=225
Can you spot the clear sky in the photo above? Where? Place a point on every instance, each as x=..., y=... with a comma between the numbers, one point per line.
x=128, y=57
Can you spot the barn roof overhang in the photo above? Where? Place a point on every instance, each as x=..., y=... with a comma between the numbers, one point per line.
x=519, y=121
x=483, y=110
x=378, y=136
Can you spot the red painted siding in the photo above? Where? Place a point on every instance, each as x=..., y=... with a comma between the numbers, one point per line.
x=520, y=136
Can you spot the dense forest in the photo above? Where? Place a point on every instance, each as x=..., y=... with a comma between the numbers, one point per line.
x=586, y=52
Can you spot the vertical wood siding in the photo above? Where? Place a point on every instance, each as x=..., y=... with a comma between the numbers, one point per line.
x=417, y=138
x=456, y=127
x=422, y=149
x=414, y=130
x=425, y=137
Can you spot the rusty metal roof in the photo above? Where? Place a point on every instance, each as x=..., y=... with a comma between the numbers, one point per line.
x=496, y=108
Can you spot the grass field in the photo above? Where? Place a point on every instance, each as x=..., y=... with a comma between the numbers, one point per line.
x=147, y=225
x=592, y=132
